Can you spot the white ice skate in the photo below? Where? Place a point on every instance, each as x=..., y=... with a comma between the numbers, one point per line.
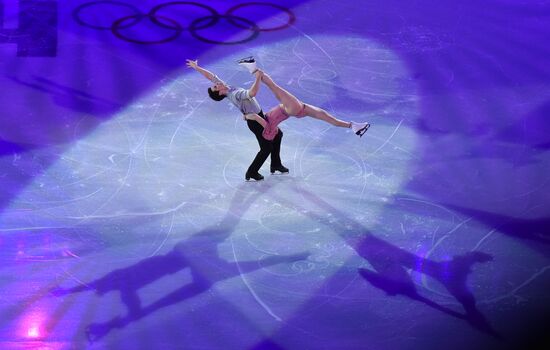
x=359, y=128
x=249, y=63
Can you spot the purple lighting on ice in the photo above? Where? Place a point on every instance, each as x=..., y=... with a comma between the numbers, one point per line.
x=126, y=223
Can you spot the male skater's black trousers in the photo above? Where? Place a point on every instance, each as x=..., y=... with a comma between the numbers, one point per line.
x=266, y=147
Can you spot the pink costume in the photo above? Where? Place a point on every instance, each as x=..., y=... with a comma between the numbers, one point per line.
x=274, y=117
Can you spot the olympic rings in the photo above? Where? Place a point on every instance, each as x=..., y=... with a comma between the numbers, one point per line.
x=166, y=22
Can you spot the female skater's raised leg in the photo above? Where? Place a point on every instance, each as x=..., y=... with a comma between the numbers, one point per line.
x=291, y=104
x=321, y=114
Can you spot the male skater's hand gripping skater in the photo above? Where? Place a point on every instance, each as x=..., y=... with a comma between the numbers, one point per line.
x=245, y=101
x=291, y=106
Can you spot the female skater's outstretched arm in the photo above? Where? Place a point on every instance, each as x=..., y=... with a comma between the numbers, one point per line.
x=195, y=65
x=220, y=88
x=253, y=91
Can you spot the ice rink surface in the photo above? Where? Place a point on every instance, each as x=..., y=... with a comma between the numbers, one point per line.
x=126, y=222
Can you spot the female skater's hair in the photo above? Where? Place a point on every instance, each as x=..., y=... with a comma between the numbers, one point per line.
x=215, y=95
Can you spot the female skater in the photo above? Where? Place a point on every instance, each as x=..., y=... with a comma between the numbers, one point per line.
x=291, y=106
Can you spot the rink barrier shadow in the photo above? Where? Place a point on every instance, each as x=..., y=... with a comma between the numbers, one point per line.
x=391, y=264
x=199, y=253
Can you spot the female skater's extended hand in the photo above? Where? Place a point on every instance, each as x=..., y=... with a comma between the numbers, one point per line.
x=192, y=64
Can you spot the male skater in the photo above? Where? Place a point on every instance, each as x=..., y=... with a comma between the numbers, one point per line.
x=246, y=102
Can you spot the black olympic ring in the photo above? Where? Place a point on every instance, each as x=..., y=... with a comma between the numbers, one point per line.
x=169, y=23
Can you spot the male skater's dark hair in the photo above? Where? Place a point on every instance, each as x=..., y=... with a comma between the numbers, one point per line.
x=215, y=95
